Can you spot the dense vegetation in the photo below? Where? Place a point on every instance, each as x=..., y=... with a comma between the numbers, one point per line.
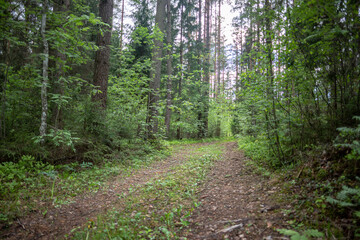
x=79, y=86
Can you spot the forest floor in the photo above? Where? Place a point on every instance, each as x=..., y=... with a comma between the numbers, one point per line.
x=232, y=201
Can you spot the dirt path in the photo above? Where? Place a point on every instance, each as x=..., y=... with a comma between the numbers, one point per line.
x=59, y=222
x=236, y=203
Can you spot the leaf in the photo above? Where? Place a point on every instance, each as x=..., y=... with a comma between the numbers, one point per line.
x=313, y=233
x=287, y=232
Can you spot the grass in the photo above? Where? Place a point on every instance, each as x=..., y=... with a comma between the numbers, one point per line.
x=160, y=208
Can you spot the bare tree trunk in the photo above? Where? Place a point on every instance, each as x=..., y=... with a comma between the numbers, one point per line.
x=3, y=95
x=219, y=50
x=237, y=68
x=122, y=24
x=154, y=85
x=207, y=67
x=178, y=131
x=199, y=64
x=102, y=56
x=121, y=31
x=218, y=79
x=44, y=103
x=169, y=71
x=216, y=86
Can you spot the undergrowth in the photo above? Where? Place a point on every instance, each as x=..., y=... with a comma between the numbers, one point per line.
x=202, y=140
x=160, y=208
x=31, y=184
x=319, y=183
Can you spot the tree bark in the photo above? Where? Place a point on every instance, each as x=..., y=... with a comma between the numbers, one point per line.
x=153, y=102
x=178, y=131
x=207, y=68
x=218, y=129
x=169, y=71
x=102, y=56
x=44, y=103
x=122, y=24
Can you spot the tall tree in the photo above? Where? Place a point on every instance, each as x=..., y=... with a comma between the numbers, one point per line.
x=153, y=102
x=102, y=56
x=45, y=66
x=178, y=130
x=169, y=70
x=206, y=69
x=218, y=75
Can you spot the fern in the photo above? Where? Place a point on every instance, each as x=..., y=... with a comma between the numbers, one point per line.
x=306, y=235
x=349, y=138
x=347, y=197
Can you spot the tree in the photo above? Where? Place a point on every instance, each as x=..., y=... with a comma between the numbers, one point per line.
x=153, y=103
x=102, y=56
x=206, y=69
x=169, y=70
x=45, y=66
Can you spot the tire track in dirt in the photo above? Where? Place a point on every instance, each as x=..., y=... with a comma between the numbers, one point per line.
x=59, y=222
x=236, y=203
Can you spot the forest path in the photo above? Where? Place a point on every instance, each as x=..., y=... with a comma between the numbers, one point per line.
x=236, y=202
x=60, y=221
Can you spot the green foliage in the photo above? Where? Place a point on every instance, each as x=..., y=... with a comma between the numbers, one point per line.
x=305, y=235
x=14, y=176
x=60, y=138
x=350, y=138
x=347, y=197
x=257, y=149
x=30, y=179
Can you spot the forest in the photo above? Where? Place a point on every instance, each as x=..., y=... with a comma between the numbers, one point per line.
x=143, y=101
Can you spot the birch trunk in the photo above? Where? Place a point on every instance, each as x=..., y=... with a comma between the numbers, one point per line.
x=44, y=103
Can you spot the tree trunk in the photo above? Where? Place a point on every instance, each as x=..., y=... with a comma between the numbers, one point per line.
x=219, y=51
x=218, y=91
x=237, y=68
x=44, y=103
x=122, y=24
x=121, y=33
x=207, y=68
x=178, y=131
x=3, y=90
x=169, y=71
x=102, y=56
x=152, y=119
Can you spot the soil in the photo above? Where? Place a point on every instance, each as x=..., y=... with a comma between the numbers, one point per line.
x=236, y=203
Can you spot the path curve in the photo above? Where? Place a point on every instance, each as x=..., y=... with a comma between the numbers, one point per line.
x=59, y=222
